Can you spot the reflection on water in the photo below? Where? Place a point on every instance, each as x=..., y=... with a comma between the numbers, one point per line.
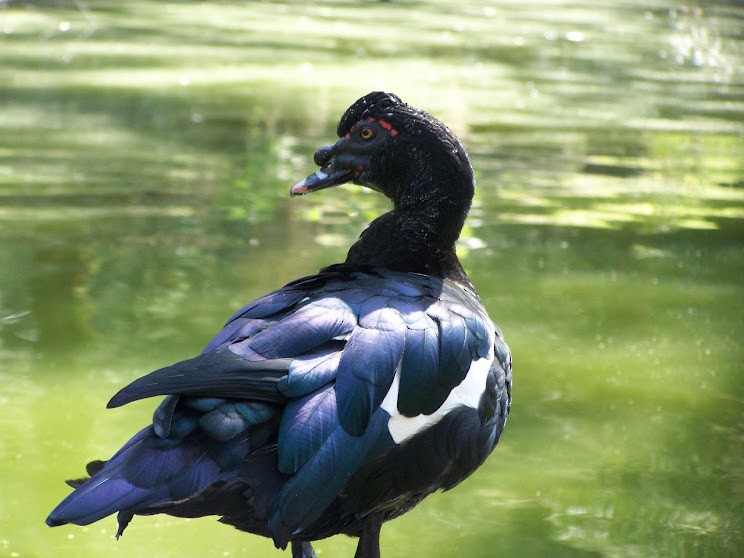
x=145, y=159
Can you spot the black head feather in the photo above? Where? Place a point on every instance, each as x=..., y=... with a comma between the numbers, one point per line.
x=377, y=104
x=417, y=128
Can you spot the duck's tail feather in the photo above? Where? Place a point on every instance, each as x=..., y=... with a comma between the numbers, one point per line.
x=148, y=472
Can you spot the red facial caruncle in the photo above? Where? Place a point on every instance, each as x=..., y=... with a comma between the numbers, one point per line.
x=383, y=124
x=389, y=127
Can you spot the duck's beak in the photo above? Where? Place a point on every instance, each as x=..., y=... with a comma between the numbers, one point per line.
x=329, y=174
x=324, y=177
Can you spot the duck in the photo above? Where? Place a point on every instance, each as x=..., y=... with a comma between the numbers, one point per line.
x=342, y=399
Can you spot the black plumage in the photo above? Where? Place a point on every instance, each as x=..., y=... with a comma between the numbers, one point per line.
x=342, y=399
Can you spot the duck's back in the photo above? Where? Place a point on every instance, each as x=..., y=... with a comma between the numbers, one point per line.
x=363, y=390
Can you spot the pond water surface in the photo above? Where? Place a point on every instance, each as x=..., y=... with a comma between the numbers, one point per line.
x=146, y=152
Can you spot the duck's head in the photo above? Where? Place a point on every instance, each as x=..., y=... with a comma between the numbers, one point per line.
x=396, y=149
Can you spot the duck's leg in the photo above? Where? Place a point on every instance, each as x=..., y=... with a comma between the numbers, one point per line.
x=369, y=541
x=302, y=550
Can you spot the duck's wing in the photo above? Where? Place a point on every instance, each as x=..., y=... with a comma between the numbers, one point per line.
x=413, y=339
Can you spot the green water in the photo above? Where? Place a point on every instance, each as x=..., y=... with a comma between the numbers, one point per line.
x=146, y=153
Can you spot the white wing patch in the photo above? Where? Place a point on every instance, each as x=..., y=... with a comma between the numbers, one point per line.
x=468, y=392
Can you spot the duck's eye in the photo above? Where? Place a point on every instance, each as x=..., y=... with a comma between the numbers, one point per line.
x=366, y=133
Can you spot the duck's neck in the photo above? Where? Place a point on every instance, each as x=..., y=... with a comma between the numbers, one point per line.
x=416, y=236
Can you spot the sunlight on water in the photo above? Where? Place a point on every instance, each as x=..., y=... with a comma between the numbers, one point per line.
x=146, y=155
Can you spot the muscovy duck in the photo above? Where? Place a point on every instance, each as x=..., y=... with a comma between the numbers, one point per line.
x=342, y=399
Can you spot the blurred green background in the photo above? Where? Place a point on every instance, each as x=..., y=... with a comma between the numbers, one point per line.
x=146, y=153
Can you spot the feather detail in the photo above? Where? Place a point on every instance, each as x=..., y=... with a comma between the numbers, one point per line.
x=220, y=373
